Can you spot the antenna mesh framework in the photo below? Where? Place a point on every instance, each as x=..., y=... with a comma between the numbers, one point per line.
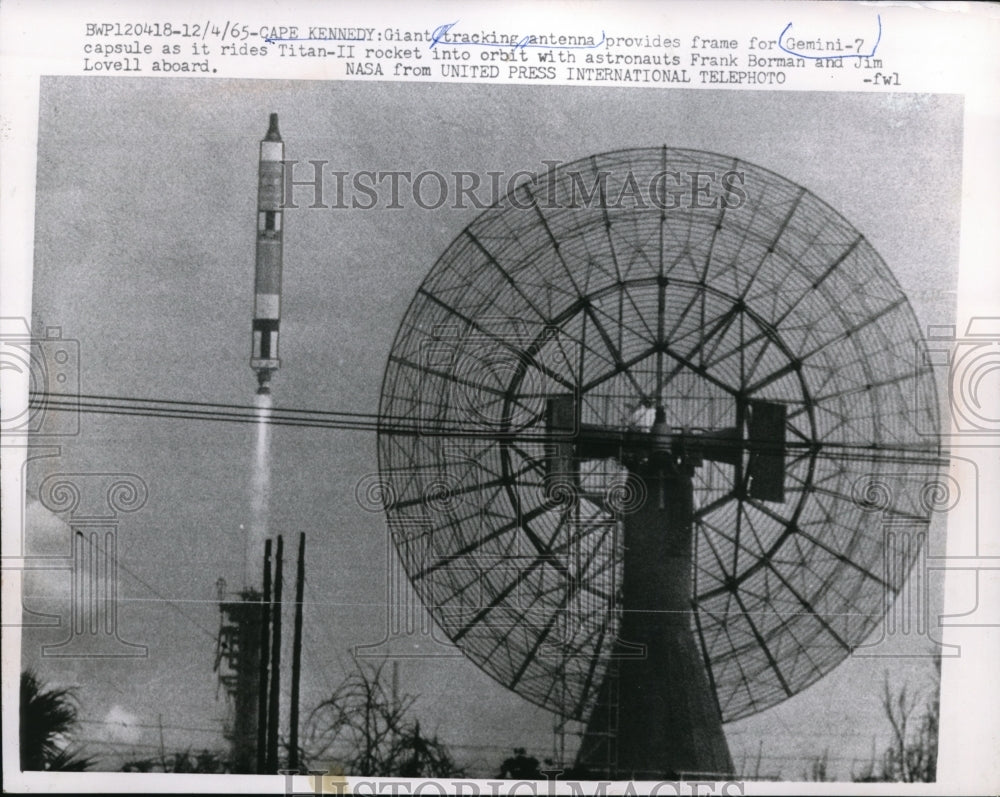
x=700, y=310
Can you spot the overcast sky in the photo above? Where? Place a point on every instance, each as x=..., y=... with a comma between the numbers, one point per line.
x=144, y=252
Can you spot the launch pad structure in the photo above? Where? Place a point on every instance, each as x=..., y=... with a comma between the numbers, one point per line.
x=248, y=663
x=238, y=665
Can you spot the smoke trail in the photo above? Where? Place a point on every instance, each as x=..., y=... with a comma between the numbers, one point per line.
x=260, y=492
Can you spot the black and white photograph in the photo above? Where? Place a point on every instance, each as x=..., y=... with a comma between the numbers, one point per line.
x=445, y=433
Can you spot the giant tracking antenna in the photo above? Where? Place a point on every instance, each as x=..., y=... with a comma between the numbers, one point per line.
x=684, y=417
x=632, y=456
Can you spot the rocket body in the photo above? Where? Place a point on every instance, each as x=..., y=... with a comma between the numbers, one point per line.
x=267, y=279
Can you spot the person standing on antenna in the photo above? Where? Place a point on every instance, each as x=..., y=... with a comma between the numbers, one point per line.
x=643, y=416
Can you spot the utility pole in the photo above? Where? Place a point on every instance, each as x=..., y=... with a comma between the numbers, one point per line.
x=293, y=710
x=265, y=631
x=273, y=704
x=163, y=752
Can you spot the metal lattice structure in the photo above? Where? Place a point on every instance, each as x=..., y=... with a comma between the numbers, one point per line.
x=575, y=284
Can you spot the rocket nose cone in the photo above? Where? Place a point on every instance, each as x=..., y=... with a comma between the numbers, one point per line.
x=272, y=129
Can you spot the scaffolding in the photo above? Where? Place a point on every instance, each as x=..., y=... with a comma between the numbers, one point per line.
x=238, y=667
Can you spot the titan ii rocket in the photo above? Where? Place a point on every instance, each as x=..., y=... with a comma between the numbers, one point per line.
x=267, y=281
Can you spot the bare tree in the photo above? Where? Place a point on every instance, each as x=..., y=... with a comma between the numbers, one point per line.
x=911, y=756
x=416, y=756
x=867, y=772
x=367, y=728
x=898, y=708
x=819, y=768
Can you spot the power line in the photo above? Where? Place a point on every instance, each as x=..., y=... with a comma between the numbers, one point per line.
x=121, y=724
x=327, y=634
x=41, y=400
x=127, y=745
x=163, y=598
x=408, y=426
x=797, y=734
x=213, y=635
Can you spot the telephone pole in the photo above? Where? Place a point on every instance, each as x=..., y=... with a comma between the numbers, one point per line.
x=275, y=693
x=265, y=633
x=293, y=711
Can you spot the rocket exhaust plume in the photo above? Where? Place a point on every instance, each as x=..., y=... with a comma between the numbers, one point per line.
x=267, y=273
x=260, y=498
